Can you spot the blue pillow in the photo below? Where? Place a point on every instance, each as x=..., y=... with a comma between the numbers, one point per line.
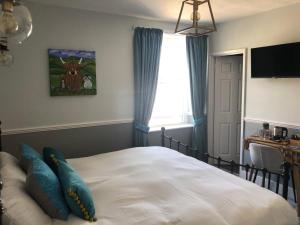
x=77, y=194
x=43, y=185
x=28, y=154
x=50, y=156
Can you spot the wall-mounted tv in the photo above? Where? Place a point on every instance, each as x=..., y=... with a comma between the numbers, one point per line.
x=282, y=61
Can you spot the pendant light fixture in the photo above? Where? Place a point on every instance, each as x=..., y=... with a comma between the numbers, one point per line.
x=6, y=59
x=15, y=27
x=195, y=27
x=15, y=21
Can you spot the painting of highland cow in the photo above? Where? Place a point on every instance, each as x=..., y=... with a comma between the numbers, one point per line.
x=72, y=72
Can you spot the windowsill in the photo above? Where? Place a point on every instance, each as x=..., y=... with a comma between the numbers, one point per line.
x=171, y=127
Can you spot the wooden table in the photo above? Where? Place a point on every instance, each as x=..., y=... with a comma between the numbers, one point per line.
x=291, y=153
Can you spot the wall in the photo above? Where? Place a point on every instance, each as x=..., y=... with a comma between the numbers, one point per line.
x=77, y=125
x=24, y=88
x=272, y=100
x=76, y=142
x=87, y=141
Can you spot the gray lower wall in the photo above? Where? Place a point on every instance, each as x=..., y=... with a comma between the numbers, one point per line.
x=250, y=129
x=77, y=142
x=81, y=142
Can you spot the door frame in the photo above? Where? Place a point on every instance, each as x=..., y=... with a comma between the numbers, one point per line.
x=211, y=97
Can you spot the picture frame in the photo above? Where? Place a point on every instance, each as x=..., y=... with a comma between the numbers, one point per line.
x=72, y=72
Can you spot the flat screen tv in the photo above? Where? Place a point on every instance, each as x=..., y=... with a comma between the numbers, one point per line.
x=282, y=61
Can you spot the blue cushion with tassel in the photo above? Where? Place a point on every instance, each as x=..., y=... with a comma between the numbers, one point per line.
x=50, y=155
x=43, y=185
x=28, y=154
x=77, y=194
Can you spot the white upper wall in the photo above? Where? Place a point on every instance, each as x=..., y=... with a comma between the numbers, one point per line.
x=266, y=99
x=25, y=100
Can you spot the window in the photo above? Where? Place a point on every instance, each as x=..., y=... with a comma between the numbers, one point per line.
x=173, y=101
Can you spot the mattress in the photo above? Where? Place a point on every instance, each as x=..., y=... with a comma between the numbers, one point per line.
x=158, y=186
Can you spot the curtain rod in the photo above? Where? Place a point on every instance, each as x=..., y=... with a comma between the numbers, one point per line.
x=165, y=31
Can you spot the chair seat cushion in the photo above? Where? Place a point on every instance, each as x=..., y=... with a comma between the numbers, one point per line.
x=77, y=194
x=44, y=187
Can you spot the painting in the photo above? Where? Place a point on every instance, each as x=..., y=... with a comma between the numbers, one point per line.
x=72, y=72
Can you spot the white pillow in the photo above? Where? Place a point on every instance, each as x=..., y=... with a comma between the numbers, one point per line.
x=7, y=159
x=20, y=207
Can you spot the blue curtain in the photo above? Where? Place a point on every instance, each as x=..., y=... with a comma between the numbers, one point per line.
x=197, y=61
x=147, y=48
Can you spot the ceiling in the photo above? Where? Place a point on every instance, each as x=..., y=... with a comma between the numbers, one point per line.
x=168, y=10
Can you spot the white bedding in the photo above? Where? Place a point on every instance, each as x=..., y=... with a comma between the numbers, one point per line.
x=158, y=186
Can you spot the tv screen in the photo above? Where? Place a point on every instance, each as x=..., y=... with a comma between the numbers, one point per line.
x=276, y=61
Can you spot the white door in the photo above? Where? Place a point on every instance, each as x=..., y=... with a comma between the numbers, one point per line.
x=228, y=105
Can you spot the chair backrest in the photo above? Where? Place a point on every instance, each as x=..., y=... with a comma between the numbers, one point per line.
x=263, y=156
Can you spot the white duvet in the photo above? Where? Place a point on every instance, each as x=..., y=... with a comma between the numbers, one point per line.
x=158, y=186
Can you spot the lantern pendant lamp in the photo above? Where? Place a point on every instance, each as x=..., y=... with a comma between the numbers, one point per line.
x=195, y=27
x=15, y=21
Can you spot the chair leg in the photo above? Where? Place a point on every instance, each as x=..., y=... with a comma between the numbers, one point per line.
x=293, y=183
x=277, y=184
x=255, y=176
x=251, y=173
x=269, y=181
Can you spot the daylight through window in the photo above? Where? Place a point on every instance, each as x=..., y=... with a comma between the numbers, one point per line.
x=173, y=102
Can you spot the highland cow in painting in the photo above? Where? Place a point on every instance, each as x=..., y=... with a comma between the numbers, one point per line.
x=72, y=79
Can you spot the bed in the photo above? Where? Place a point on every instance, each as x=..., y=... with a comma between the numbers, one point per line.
x=152, y=186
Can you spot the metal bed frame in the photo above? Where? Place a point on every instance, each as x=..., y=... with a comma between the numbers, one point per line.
x=188, y=150
x=233, y=167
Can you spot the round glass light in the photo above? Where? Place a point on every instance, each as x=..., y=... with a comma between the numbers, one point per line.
x=15, y=21
x=8, y=22
x=196, y=15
